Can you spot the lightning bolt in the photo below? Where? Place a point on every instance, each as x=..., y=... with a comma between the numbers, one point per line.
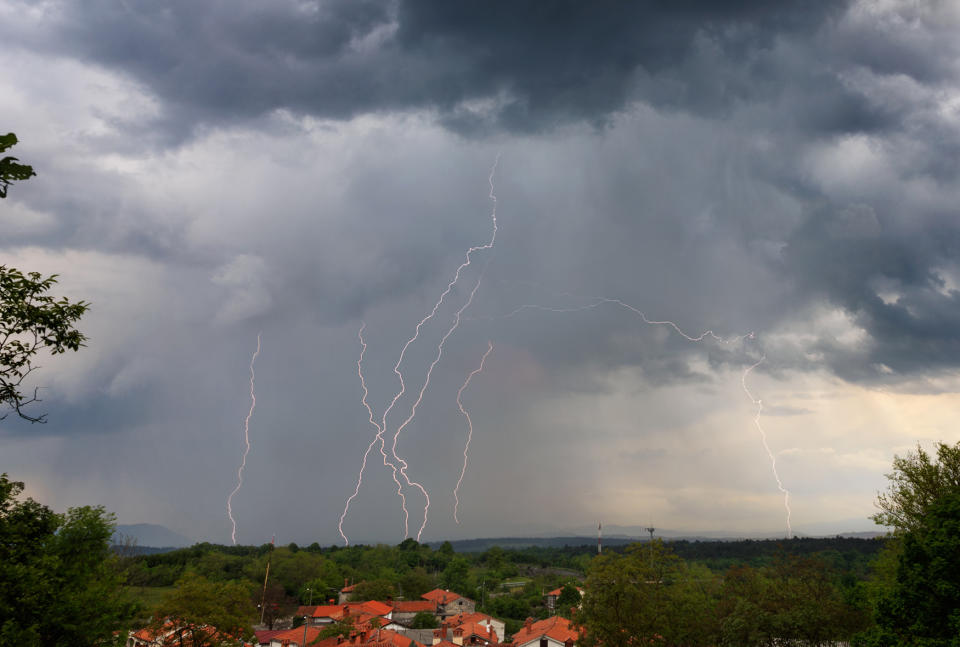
x=246, y=440
x=763, y=437
x=398, y=464
x=378, y=436
x=599, y=301
x=466, y=448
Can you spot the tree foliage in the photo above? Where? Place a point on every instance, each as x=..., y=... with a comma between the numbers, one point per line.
x=649, y=595
x=30, y=319
x=205, y=613
x=57, y=583
x=915, y=589
x=569, y=597
x=10, y=168
x=916, y=482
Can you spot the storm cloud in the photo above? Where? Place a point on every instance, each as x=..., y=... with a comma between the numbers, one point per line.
x=208, y=172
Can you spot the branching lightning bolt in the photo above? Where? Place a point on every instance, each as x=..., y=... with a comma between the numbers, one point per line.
x=599, y=301
x=466, y=448
x=397, y=463
x=379, y=436
x=246, y=440
x=763, y=437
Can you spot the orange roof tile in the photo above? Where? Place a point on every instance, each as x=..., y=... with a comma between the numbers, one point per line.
x=476, y=617
x=296, y=635
x=335, y=611
x=441, y=597
x=557, y=627
x=413, y=606
x=374, y=607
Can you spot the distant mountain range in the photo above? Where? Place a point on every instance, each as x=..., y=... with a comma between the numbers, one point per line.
x=154, y=536
x=151, y=534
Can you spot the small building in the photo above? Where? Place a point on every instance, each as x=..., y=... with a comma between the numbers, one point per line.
x=552, y=597
x=449, y=603
x=552, y=632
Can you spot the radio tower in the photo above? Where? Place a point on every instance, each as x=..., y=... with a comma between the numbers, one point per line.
x=599, y=535
x=650, y=529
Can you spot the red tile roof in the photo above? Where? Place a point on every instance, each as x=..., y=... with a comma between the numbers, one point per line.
x=335, y=611
x=413, y=606
x=469, y=629
x=295, y=635
x=556, y=592
x=373, y=607
x=476, y=617
x=442, y=597
x=369, y=638
x=557, y=627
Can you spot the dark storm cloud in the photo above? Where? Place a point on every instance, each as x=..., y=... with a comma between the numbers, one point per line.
x=537, y=64
x=852, y=256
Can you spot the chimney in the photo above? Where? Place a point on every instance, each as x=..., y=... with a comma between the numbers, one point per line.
x=458, y=636
x=568, y=642
x=528, y=623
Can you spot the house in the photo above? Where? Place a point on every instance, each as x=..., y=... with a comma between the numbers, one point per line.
x=465, y=634
x=295, y=637
x=554, y=595
x=449, y=603
x=346, y=593
x=552, y=632
x=358, y=612
x=480, y=619
x=368, y=637
x=404, y=611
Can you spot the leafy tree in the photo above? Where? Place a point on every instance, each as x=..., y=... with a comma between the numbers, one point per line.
x=379, y=589
x=57, y=583
x=424, y=620
x=206, y=613
x=916, y=483
x=30, y=319
x=796, y=599
x=10, y=169
x=627, y=596
x=569, y=597
x=456, y=576
x=275, y=603
x=922, y=608
x=416, y=582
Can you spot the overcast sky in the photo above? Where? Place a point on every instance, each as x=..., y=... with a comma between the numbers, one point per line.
x=210, y=171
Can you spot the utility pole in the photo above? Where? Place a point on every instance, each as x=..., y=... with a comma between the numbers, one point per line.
x=305, y=624
x=263, y=596
x=650, y=529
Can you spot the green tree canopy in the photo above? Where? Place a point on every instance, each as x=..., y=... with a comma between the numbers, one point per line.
x=569, y=597
x=57, y=584
x=10, y=168
x=916, y=482
x=922, y=608
x=30, y=319
x=199, y=605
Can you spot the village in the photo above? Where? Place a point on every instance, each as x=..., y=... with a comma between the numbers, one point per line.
x=388, y=623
